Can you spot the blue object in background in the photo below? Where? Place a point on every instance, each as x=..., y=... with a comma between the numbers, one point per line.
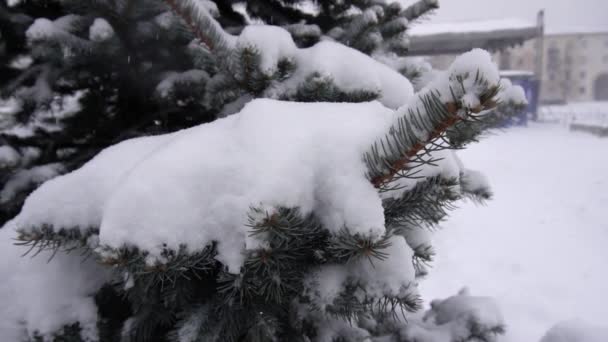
x=528, y=81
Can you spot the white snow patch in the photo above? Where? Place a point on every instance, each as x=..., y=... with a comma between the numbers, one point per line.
x=391, y=276
x=511, y=93
x=576, y=331
x=21, y=62
x=539, y=247
x=41, y=296
x=40, y=29
x=586, y=113
x=352, y=70
x=8, y=157
x=100, y=30
x=79, y=200
x=318, y=145
x=452, y=319
x=471, y=64
x=272, y=42
x=165, y=86
x=165, y=19
x=348, y=68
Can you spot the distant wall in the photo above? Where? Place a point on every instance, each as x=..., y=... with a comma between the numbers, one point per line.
x=574, y=65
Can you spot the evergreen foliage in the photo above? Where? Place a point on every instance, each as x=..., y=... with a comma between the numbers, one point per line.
x=83, y=76
x=99, y=72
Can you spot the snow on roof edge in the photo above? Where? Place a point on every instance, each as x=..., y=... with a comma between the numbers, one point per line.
x=426, y=29
x=575, y=30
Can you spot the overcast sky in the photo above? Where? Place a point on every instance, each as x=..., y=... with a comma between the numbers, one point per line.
x=559, y=14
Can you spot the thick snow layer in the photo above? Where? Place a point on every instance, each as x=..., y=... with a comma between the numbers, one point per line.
x=39, y=295
x=353, y=70
x=539, y=247
x=140, y=192
x=350, y=69
x=77, y=201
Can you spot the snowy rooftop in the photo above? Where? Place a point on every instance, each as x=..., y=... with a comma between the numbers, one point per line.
x=457, y=37
x=564, y=30
x=430, y=28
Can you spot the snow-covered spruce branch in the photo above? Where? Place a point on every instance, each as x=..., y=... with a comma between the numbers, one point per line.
x=58, y=32
x=420, y=8
x=200, y=22
x=424, y=204
x=423, y=123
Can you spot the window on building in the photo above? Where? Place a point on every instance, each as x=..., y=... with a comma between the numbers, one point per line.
x=567, y=75
x=505, y=60
x=551, y=77
x=583, y=42
x=553, y=59
x=583, y=74
x=581, y=90
x=605, y=59
x=520, y=61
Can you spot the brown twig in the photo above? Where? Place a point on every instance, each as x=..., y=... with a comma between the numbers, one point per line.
x=452, y=108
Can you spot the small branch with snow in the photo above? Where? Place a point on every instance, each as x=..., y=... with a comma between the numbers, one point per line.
x=420, y=8
x=456, y=98
x=200, y=21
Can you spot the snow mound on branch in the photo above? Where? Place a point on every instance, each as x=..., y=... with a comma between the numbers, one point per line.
x=576, y=331
x=511, y=93
x=464, y=76
x=39, y=295
x=8, y=157
x=458, y=318
x=351, y=70
x=388, y=277
x=197, y=185
x=272, y=42
x=77, y=199
x=41, y=28
x=101, y=30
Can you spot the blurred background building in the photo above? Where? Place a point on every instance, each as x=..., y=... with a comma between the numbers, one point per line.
x=568, y=65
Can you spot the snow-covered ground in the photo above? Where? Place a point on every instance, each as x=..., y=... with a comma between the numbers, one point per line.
x=540, y=247
x=585, y=113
